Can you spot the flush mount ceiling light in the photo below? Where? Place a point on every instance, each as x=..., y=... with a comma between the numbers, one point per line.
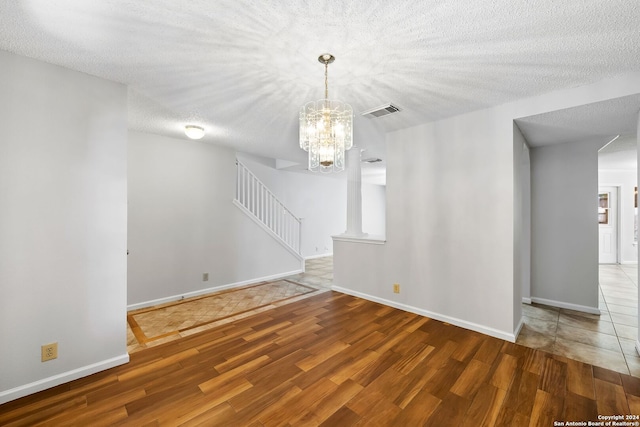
x=194, y=132
x=326, y=128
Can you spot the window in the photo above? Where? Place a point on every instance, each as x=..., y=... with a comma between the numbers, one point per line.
x=603, y=208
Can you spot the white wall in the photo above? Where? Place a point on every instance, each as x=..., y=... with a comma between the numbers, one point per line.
x=449, y=226
x=626, y=180
x=525, y=225
x=63, y=229
x=374, y=209
x=521, y=224
x=564, y=226
x=450, y=216
x=182, y=223
x=320, y=200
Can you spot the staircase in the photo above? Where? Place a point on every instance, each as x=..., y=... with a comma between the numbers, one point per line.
x=261, y=205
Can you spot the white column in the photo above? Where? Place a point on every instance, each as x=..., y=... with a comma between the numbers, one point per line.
x=354, y=193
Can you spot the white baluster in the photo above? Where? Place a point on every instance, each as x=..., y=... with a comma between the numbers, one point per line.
x=253, y=194
x=286, y=225
x=262, y=200
x=249, y=191
x=271, y=213
x=264, y=206
x=279, y=220
x=246, y=189
x=242, y=189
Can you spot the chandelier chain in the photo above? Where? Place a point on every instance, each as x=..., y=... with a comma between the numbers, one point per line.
x=326, y=80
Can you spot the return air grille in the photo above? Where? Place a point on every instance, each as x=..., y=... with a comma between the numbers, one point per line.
x=383, y=110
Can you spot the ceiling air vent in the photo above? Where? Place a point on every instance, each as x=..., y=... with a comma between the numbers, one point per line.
x=383, y=110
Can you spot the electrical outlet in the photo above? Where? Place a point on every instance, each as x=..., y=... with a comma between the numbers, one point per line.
x=49, y=351
x=396, y=288
x=205, y=277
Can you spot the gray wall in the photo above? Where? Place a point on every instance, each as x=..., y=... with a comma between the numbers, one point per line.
x=564, y=226
x=182, y=223
x=63, y=224
x=522, y=222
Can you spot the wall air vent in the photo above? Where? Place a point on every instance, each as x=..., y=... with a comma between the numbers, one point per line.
x=380, y=111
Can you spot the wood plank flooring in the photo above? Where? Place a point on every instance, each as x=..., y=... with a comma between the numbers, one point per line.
x=335, y=360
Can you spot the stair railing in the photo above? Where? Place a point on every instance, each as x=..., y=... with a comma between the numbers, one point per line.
x=264, y=206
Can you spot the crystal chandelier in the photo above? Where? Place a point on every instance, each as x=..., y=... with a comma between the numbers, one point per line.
x=326, y=128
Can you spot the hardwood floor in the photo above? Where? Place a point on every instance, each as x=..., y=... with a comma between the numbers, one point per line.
x=335, y=360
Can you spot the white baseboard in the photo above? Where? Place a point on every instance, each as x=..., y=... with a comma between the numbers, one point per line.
x=526, y=300
x=567, y=305
x=629, y=262
x=199, y=292
x=518, y=328
x=511, y=337
x=318, y=256
x=65, y=377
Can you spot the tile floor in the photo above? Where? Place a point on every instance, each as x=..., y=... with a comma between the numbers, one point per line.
x=607, y=340
x=318, y=272
x=180, y=316
x=170, y=321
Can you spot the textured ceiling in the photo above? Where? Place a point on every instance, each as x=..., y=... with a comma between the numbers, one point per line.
x=598, y=121
x=243, y=68
x=620, y=154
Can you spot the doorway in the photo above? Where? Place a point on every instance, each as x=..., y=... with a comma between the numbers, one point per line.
x=608, y=225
